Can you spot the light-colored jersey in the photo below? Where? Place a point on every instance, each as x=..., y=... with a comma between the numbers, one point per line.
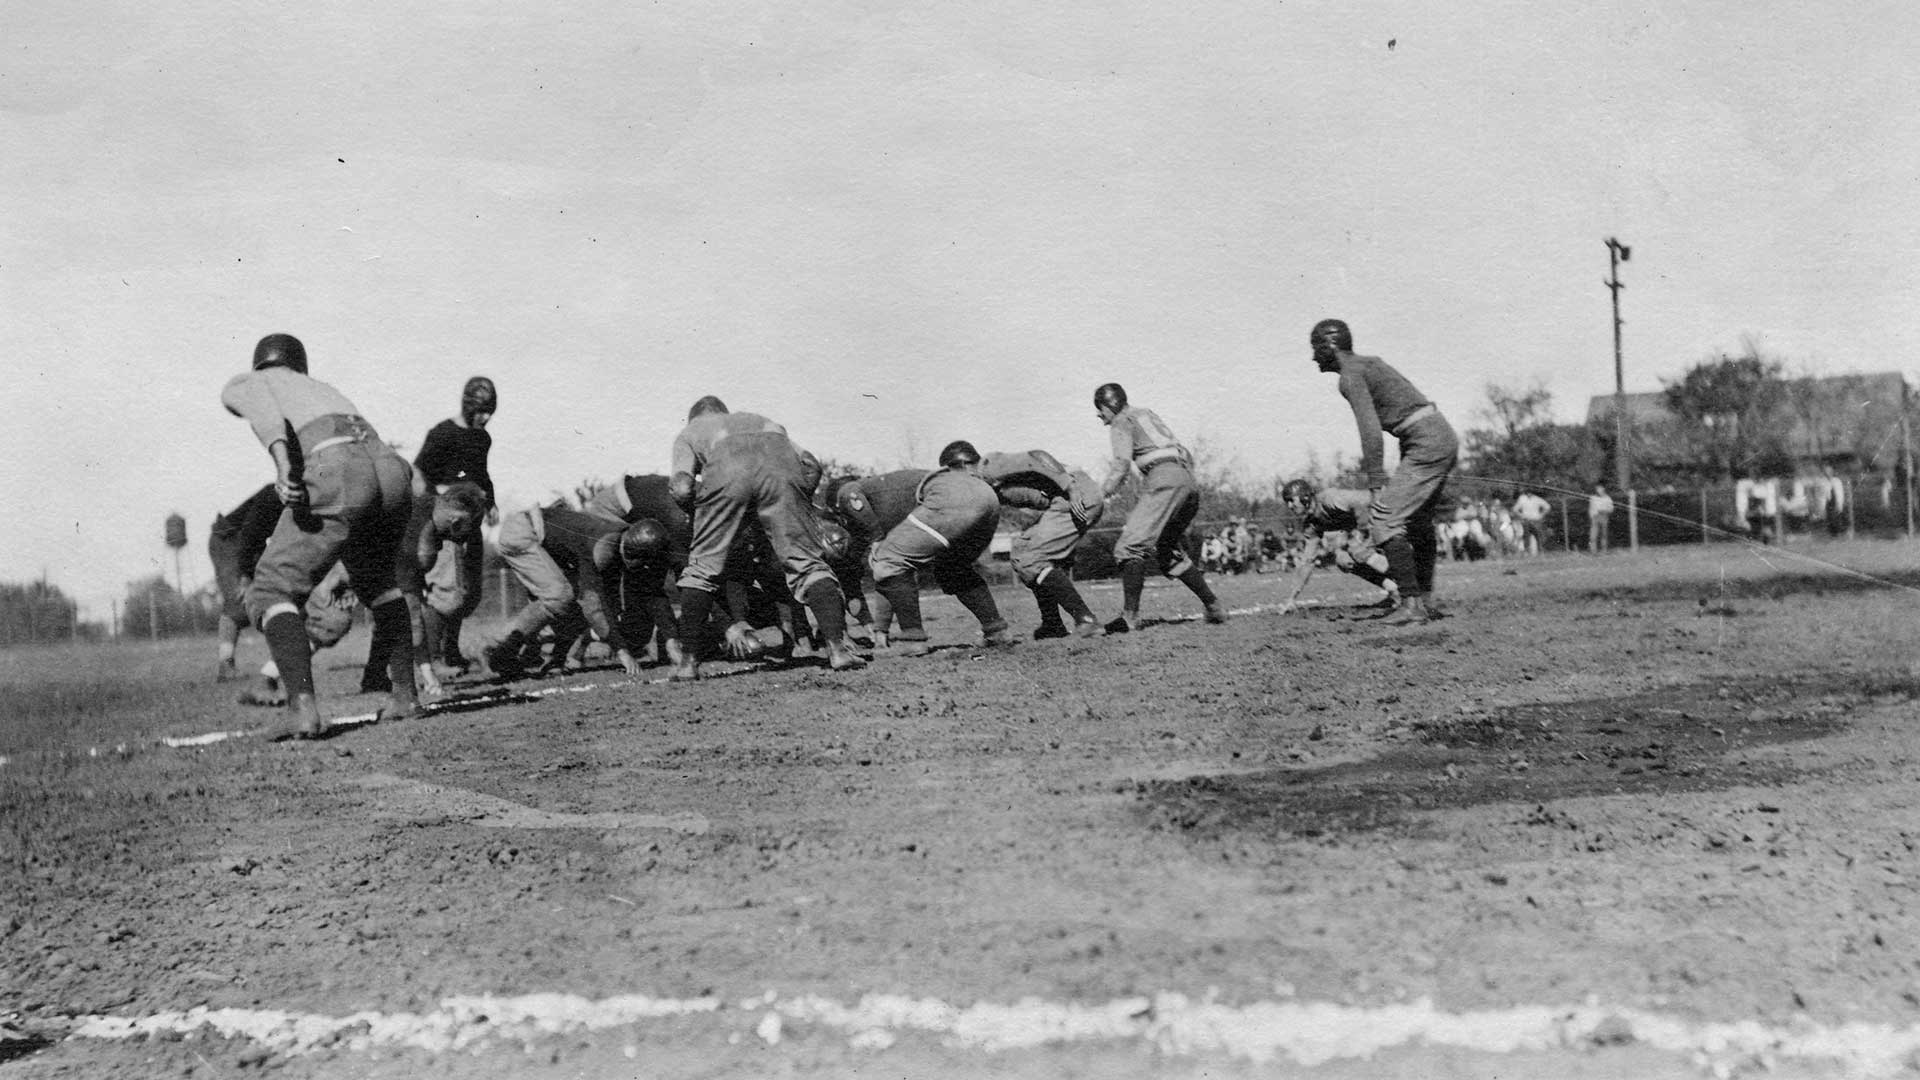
x=1142, y=440
x=277, y=402
x=1340, y=510
x=701, y=447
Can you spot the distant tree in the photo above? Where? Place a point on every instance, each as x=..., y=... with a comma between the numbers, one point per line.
x=153, y=603
x=1228, y=488
x=1852, y=420
x=1341, y=472
x=1520, y=446
x=1732, y=410
x=38, y=612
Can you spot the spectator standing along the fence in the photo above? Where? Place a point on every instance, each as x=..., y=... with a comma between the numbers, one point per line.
x=1531, y=510
x=1599, y=514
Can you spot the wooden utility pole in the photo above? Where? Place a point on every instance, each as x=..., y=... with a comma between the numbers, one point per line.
x=1906, y=453
x=1618, y=253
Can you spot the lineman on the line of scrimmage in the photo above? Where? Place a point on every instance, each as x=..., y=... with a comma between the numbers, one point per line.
x=949, y=526
x=571, y=564
x=456, y=449
x=1346, y=513
x=439, y=522
x=347, y=497
x=654, y=557
x=659, y=555
x=727, y=466
x=1169, y=499
x=1402, y=525
x=1070, y=503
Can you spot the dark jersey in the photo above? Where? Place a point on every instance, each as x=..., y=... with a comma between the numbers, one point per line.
x=419, y=548
x=872, y=505
x=452, y=452
x=243, y=531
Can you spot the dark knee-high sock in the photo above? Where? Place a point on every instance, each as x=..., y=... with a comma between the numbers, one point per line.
x=1425, y=544
x=1369, y=575
x=979, y=600
x=1049, y=610
x=829, y=607
x=737, y=603
x=433, y=630
x=1057, y=589
x=902, y=594
x=287, y=641
x=696, y=611
x=1401, y=565
x=1133, y=582
x=450, y=650
x=394, y=629
x=1196, y=579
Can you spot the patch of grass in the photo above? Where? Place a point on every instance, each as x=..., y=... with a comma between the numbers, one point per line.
x=61, y=696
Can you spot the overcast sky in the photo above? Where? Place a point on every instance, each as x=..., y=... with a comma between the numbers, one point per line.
x=891, y=225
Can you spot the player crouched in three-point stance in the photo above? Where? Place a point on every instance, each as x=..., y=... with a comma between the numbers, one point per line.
x=726, y=466
x=347, y=497
x=456, y=450
x=442, y=520
x=948, y=528
x=1402, y=525
x=571, y=563
x=1070, y=503
x=1339, y=518
x=1168, y=502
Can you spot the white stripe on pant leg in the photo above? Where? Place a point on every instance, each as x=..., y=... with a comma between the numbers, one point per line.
x=929, y=530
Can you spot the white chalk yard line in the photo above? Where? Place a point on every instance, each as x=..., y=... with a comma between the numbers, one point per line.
x=1304, y=1032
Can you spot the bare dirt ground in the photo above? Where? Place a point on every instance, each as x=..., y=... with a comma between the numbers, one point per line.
x=1653, y=815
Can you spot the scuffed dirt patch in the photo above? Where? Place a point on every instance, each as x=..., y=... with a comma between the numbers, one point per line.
x=1677, y=739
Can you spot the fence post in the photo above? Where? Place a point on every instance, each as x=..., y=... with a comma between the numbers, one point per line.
x=1633, y=521
x=1703, y=515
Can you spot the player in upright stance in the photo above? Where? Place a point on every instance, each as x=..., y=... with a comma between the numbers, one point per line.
x=1169, y=499
x=1070, y=503
x=948, y=527
x=727, y=466
x=1339, y=518
x=1402, y=524
x=454, y=450
x=347, y=497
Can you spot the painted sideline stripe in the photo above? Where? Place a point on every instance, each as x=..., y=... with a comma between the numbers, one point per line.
x=1307, y=1033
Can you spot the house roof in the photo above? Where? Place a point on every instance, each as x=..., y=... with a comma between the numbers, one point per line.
x=1819, y=428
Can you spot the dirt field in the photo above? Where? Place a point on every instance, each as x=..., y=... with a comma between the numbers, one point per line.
x=1652, y=815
